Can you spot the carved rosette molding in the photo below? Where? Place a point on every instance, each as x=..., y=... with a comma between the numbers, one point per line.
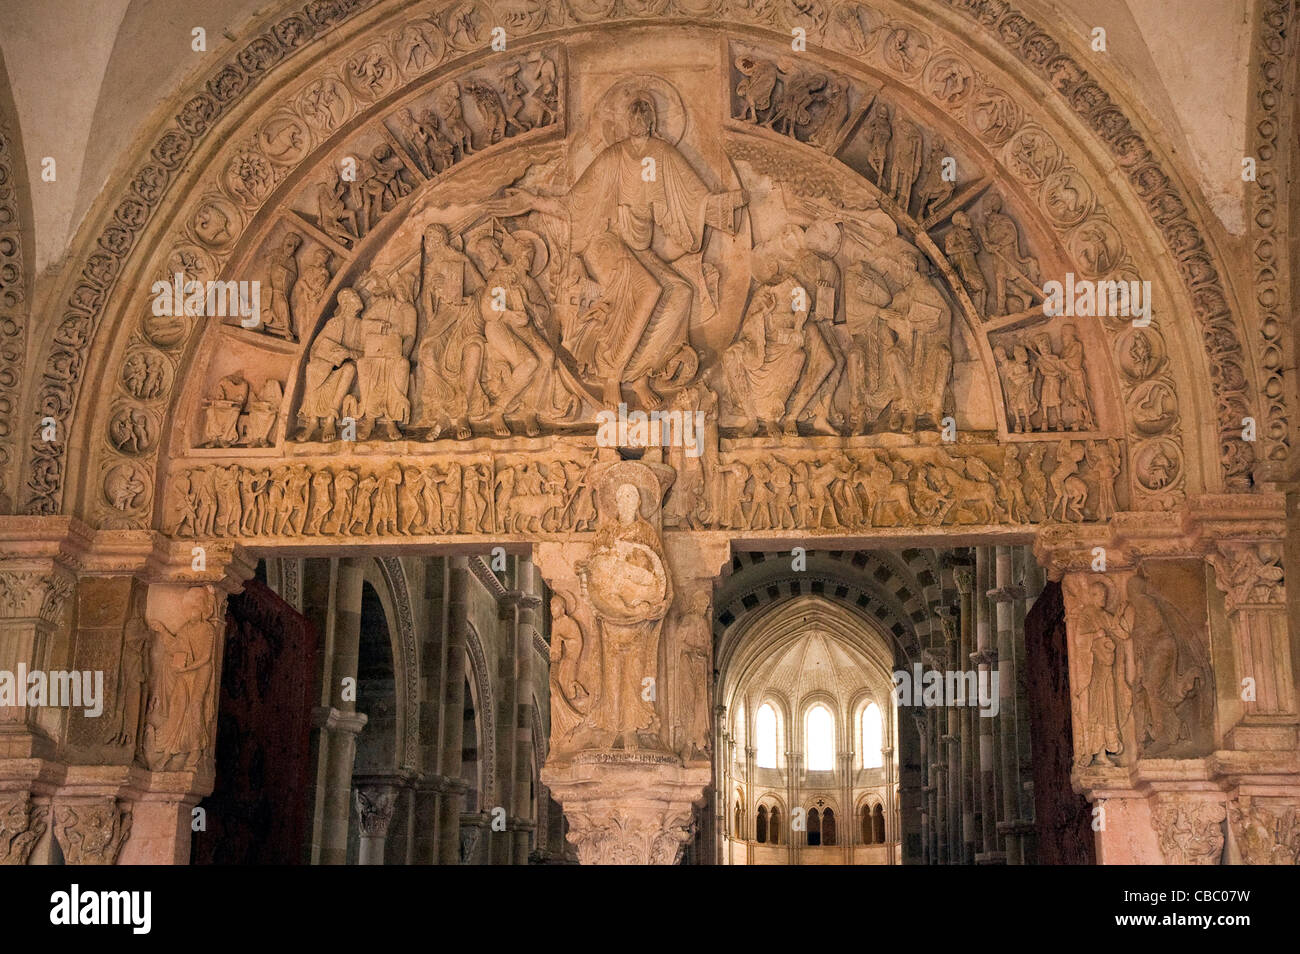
x=1273, y=88
x=22, y=823
x=13, y=311
x=1026, y=40
x=92, y=832
x=1189, y=827
x=65, y=360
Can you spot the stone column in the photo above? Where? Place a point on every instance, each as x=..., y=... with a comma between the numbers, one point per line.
x=938, y=766
x=453, y=720
x=36, y=590
x=922, y=722
x=964, y=576
x=986, y=658
x=1250, y=576
x=527, y=602
x=1002, y=595
x=375, y=800
x=339, y=720
x=426, y=791
x=1025, y=568
x=33, y=594
x=338, y=751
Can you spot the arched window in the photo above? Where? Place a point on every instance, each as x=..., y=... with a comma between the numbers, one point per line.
x=865, y=822
x=878, y=825
x=814, y=828
x=766, y=736
x=821, y=740
x=774, y=827
x=873, y=737
x=828, y=827
x=760, y=825
x=738, y=829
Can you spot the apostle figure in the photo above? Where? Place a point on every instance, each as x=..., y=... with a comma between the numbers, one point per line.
x=181, y=704
x=384, y=368
x=764, y=364
x=919, y=358
x=283, y=275
x=569, y=697
x=221, y=411
x=331, y=370
x=1103, y=698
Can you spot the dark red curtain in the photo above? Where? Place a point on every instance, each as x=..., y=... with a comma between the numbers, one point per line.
x=260, y=809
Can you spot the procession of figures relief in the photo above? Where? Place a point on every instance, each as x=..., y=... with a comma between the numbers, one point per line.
x=778, y=297
x=757, y=489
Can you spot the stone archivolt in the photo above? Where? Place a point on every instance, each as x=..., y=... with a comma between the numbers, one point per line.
x=466, y=260
x=818, y=109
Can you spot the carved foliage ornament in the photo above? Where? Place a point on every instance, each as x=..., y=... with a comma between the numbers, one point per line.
x=628, y=837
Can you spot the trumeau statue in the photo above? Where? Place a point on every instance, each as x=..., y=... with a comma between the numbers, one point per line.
x=627, y=589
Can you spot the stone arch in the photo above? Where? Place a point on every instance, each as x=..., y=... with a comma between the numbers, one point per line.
x=856, y=580
x=1093, y=118
x=15, y=280
x=406, y=660
x=485, y=706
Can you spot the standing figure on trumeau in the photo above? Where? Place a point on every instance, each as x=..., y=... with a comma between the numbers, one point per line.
x=637, y=217
x=626, y=584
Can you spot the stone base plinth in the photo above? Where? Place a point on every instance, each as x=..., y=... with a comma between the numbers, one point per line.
x=627, y=808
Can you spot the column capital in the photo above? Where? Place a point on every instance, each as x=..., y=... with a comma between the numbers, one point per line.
x=964, y=578
x=375, y=803
x=1249, y=574
x=327, y=717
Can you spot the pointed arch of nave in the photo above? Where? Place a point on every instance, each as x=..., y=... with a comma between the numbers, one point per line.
x=177, y=196
x=748, y=649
